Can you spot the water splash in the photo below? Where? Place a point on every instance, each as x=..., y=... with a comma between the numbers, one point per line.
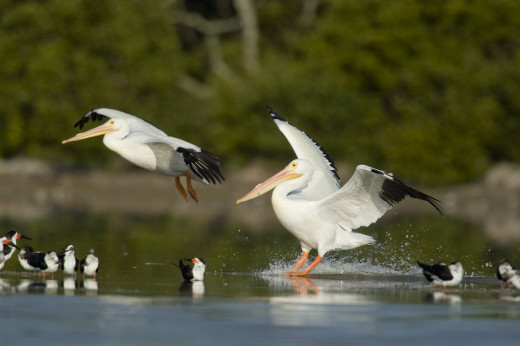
x=335, y=266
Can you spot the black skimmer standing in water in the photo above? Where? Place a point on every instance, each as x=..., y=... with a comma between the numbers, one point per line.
x=45, y=262
x=148, y=147
x=442, y=274
x=23, y=258
x=12, y=236
x=51, y=264
x=68, y=261
x=3, y=244
x=89, y=265
x=309, y=203
x=508, y=274
x=194, y=272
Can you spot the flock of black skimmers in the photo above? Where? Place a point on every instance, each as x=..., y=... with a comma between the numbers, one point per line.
x=50, y=262
x=47, y=262
x=450, y=275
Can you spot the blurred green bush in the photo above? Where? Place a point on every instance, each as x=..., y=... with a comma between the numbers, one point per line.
x=428, y=90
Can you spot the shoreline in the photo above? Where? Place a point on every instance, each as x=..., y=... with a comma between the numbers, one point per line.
x=34, y=190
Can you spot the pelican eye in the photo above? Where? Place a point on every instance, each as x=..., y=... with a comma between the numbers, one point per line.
x=113, y=122
x=294, y=165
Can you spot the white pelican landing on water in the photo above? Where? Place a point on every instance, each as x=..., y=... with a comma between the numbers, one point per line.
x=148, y=147
x=308, y=200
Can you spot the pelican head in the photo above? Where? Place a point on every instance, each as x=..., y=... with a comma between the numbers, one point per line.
x=294, y=170
x=118, y=126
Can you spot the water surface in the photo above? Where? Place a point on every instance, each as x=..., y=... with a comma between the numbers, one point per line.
x=371, y=295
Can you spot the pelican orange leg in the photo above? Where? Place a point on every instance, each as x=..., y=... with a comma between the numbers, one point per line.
x=302, y=260
x=313, y=265
x=180, y=188
x=191, y=191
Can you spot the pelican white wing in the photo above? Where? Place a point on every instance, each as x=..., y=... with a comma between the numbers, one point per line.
x=325, y=176
x=367, y=196
x=136, y=124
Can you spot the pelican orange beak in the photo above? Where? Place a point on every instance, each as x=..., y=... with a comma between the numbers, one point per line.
x=97, y=131
x=286, y=174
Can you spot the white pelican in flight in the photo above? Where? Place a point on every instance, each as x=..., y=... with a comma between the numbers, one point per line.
x=148, y=147
x=308, y=200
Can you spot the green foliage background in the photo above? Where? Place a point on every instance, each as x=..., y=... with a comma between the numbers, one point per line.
x=428, y=90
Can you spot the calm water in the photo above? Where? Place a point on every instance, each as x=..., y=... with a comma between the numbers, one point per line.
x=370, y=295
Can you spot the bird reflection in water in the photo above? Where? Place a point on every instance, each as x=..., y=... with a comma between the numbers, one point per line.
x=192, y=288
x=69, y=285
x=90, y=285
x=5, y=286
x=47, y=286
x=304, y=286
x=316, y=303
x=443, y=297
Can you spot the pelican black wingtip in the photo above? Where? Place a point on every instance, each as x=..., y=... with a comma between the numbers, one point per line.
x=92, y=114
x=274, y=115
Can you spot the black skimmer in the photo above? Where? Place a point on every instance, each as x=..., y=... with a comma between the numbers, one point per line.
x=5, y=243
x=148, y=147
x=12, y=236
x=507, y=273
x=68, y=261
x=23, y=258
x=2, y=260
x=45, y=262
x=193, y=272
x=52, y=263
x=89, y=265
x=442, y=274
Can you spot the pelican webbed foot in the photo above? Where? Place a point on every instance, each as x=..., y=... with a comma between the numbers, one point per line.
x=293, y=274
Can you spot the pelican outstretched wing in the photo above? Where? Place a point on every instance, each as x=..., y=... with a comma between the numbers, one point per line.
x=325, y=176
x=367, y=196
